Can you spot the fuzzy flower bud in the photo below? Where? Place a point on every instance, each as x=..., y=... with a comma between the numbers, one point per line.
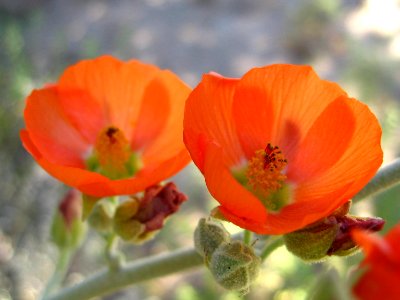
x=235, y=266
x=330, y=236
x=67, y=229
x=208, y=236
x=137, y=220
x=101, y=216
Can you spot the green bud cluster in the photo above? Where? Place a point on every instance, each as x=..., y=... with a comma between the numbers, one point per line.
x=233, y=264
x=125, y=225
x=101, y=216
x=208, y=236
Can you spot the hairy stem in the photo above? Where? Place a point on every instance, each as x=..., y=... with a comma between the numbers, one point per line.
x=107, y=281
x=247, y=237
x=113, y=257
x=59, y=272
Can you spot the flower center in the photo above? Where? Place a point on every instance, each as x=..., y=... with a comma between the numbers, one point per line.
x=265, y=178
x=112, y=155
x=264, y=172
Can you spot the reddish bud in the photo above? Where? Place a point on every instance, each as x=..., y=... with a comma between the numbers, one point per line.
x=67, y=229
x=343, y=241
x=157, y=204
x=71, y=207
x=137, y=220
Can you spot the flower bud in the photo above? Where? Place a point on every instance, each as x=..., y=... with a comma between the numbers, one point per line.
x=313, y=242
x=67, y=229
x=344, y=244
x=331, y=236
x=209, y=234
x=88, y=204
x=124, y=221
x=101, y=216
x=137, y=220
x=235, y=266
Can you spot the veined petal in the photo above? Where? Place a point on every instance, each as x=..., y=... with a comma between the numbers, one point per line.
x=52, y=132
x=72, y=176
x=360, y=160
x=168, y=141
x=117, y=86
x=83, y=112
x=325, y=143
x=278, y=104
x=94, y=184
x=208, y=116
x=232, y=196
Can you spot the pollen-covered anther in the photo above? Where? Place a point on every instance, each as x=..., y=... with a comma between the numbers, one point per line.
x=112, y=149
x=265, y=169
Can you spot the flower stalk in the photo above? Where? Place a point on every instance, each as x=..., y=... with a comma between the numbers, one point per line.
x=247, y=237
x=60, y=271
x=153, y=267
x=271, y=246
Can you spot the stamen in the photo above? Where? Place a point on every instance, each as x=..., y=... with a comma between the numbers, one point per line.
x=264, y=172
x=113, y=152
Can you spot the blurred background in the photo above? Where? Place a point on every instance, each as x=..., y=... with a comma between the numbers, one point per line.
x=355, y=43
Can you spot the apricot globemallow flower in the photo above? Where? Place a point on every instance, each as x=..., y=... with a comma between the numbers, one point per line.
x=108, y=127
x=280, y=148
x=381, y=266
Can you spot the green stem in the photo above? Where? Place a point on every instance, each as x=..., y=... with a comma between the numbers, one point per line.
x=386, y=177
x=106, y=281
x=59, y=272
x=270, y=247
x=113, y=256
x=247, y=237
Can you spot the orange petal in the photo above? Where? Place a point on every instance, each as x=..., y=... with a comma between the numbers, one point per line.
x=377, y=249
x=360, y=161
x=287, y=101
x=208, y=116
x=83, y=112
x=245, y=223
x=393, y=239
x=381, y=265
x=51, y=130
x=368, y=241
x=378, y=282
x=154, y=111
x=152, y=174
x=292, y=217
x=326, y=141
x=117, y=86
x=97, y=185
x=87, y=182
x=232, y=196
x=313, y=208
x=170, y=93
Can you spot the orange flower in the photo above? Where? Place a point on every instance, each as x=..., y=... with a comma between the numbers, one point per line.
x=108, y=127
x=381, y=264
x=280, y=148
